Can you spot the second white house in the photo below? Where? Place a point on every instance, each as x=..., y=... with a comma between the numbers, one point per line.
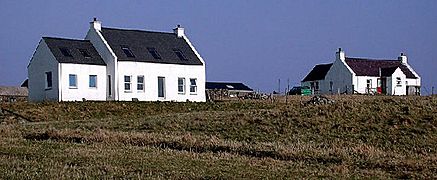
x=348, y=75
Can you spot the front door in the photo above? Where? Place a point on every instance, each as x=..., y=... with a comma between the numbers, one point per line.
x=161, y=87
x=382, y=86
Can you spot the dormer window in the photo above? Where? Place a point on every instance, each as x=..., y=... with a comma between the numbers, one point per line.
x=180, y=54
x=127, y=51
x=154, y=53
x=65, y=52
x=85, y=53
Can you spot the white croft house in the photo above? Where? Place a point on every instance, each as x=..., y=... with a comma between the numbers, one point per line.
x=363, y=75
x=117, y=64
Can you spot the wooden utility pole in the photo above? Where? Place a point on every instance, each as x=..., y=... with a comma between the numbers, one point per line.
x=287, y=90
x=288, y=85
x=279, y=86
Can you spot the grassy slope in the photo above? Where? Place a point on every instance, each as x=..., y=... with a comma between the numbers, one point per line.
x=357, y=136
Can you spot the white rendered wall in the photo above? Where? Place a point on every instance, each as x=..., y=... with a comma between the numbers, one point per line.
x=82, y=90
x=108, y=56
x=151, y=72
x=361, y=83
x=393, y=89
x=341, y=77
x=42, y=61
x=413, y=82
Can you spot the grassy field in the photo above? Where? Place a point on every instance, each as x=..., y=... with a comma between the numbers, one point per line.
x=357, y=136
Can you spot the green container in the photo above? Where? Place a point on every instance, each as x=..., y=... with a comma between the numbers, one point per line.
x=305, y=91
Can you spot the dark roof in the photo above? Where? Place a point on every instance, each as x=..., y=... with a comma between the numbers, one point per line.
x=228, y=86
x=73, y=46
x=13, y=91
x=25, y=83
x=138, y=41
x=371, y=67
x=388, y=71
x=318, y=73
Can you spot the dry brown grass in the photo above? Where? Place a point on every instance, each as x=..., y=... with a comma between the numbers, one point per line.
x=358, y=136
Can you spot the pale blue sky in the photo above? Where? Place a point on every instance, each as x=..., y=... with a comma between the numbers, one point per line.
x=256, y=42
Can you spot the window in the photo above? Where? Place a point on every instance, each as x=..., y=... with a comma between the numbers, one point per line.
x=72, y=78
x=140, y=83
x=85, y=53
x=161, y=87
x=127, y=83
x=181, y=85
x=369, y=83
x=127, y=51
x=369, y=86
x=193, y=85
x=331, y=85
x=65, y=52
x=398, y=81
x=154, y=53
x=48, y=80
x=180, y=54
x=317, y=86
x=93, y=81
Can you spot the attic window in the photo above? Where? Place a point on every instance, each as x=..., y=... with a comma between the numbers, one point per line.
x=127, y=51
x=180, y=54
x=65, y=52
x=230, y=86
x=154, y=53
x=85, y=53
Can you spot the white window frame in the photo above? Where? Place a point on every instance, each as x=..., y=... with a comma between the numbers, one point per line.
x=369, y=86
x=89, y=81
x=193, y=86
x=75, y=81
x=183, y=85
x=127, y=82
x=138, y=83
x=47, y=87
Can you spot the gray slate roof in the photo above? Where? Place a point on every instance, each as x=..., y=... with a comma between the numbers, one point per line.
x=318, y=73
x=371, y=67
x=73, y=46
x=228, y=85
x=13, y=91
x=138, y=41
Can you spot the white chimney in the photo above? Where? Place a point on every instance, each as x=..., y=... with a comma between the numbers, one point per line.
x=339, y=55
x=179, y=31
x=403, y=58
x=95, y=24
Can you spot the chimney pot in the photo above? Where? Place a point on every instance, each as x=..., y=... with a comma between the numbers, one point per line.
x=340, y=55
x=179, y=31
x=403, y=58
x=95, y=24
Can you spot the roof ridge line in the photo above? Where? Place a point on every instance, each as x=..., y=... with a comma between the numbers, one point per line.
x=70, y=39
x=139, y=30
x=369, y=59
